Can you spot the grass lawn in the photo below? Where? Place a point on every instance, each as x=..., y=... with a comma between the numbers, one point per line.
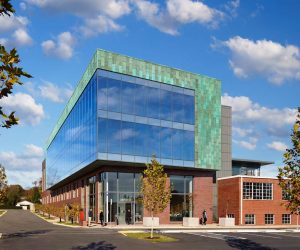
x=69, y=223
x=146, y=236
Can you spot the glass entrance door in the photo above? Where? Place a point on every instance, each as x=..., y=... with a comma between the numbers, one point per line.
x=126, y=213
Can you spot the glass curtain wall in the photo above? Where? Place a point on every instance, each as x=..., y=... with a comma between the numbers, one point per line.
x=92, y=196
x=139, y=118
x=121, y=197
x=74, y=146
x=181, y=204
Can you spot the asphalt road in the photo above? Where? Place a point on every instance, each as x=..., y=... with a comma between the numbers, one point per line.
x=24, y=230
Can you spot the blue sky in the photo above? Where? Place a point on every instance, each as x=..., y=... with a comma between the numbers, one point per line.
x=251, y=46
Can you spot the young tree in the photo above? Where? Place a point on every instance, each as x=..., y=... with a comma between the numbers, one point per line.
x=3, y=184
x=10, y=73
x=289, y=175
x=156, y=195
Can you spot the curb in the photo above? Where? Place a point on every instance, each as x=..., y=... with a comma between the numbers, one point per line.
x=233, y=231
x=56, y=223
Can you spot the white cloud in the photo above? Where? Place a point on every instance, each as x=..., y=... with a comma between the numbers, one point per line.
x=277, y=145
x=22, y=38
x=276, y=62
x=14, y=28
x=23, y=178
x=25, y=167
x=187, y=11
x=242, y=132
x=30, y=159
x=54, y=93
x=177, y=13
x=154, y=16
x=25, y=106
x=245, y=111
x=88, y=8
x=232, y=6
x=250, y=144
x=61, y=48
x=99, y=24
x=12, y=23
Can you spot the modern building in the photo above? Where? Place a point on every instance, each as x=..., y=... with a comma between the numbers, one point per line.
x=253, y=200
x=122, y=112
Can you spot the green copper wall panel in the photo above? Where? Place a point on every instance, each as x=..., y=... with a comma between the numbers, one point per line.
x=207, y=98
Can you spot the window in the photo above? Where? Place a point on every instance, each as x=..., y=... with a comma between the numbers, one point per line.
x=181, y=201
x=230, y=215
x=257, y=191
x=286, y=219
x=249, y=219
x=247, y=190
x=269, y=218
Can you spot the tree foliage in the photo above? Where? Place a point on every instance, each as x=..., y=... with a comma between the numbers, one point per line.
x=289, y=175
x=156, y=194
x=3, y=184
x=10, y=73
x=13, y=195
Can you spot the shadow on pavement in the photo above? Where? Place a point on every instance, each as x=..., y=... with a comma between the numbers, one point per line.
x=24, y=234
x=246, y=244
x=101, y=245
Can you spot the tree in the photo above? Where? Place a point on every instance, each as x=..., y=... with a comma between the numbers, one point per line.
x=3, y=184
x=10, y=73
x=156, y=195
x=13, y=195
x=289, y=175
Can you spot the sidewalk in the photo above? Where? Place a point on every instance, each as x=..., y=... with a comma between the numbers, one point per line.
x=177, y=228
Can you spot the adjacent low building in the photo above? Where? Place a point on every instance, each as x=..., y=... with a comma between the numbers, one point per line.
x=253, y=200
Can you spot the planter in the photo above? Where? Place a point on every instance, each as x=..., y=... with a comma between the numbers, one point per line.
x=226, y=222
x=190, y=221
x=147, y=221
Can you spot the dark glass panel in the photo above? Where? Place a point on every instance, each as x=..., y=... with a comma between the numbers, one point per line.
x=126, y=182
x=177, y=184
x=112, y=179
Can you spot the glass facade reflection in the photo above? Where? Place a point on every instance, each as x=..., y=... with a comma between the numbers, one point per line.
x=139, y=118
x=124, y=118
x=74, y=146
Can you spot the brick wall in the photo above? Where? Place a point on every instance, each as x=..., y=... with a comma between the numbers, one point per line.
x=229, y=191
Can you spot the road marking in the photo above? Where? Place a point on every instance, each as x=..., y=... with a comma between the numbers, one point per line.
x=286, y=235
x=264, y=236
x=218, y=236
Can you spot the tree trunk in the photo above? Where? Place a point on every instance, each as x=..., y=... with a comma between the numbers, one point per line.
x=298, y=221
x=59, y=219
x=151, y=236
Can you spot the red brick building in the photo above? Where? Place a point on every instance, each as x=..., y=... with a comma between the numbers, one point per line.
x=253, y=201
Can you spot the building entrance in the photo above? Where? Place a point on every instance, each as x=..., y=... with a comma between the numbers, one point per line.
x=126, y=212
